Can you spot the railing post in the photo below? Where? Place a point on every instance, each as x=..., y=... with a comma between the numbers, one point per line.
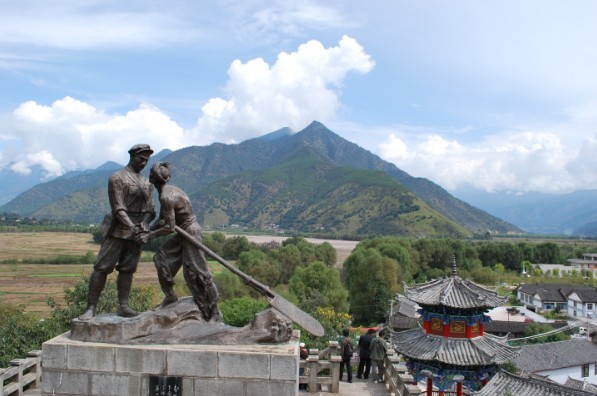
x=335, y=373
x=314, y=365
x=19, y=380
x=37, y=369
x=2, y=371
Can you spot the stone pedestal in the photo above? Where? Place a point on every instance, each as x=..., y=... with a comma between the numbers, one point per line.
x=85, y=368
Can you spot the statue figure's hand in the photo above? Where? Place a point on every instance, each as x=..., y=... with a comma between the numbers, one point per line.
x=142, y=237
x=144, y=226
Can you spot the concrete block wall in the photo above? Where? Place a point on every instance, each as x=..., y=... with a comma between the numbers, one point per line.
x=84, y=368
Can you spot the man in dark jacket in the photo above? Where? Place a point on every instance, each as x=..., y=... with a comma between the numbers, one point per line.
x=364, y=359
x=346, y=351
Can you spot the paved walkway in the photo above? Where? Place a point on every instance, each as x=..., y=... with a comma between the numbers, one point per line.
x=359, y=387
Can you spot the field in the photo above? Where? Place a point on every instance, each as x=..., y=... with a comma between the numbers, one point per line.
x=31, y=284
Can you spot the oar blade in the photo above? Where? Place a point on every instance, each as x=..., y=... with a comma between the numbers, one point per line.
x=297, y=315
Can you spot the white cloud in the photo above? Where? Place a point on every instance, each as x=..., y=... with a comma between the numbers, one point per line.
x=70, y=134
x=299, y=87
x=518, y=161
x=93, y=24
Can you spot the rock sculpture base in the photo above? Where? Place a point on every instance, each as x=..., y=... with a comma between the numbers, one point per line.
x=180, y=323
x=72, y=367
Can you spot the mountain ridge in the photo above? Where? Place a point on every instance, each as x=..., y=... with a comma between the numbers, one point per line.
x=197, y=167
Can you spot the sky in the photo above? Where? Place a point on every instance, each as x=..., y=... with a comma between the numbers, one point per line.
x=494, y=95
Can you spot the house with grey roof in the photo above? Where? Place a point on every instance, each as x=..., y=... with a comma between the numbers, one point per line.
x=582, y=303
x=504, y=383
x=550, y=296
x=575, y=358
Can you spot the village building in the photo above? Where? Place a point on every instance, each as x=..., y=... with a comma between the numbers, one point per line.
x=403, y=314
x=558, y=361
x=588, y=262
x=556, y=270
x=451, y=350
x=504, y=383
x=575, y=300
x=582, y=303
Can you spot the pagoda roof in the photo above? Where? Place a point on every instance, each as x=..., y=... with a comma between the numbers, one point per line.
x=453, y=291
x=479, y=351
x=504, y=383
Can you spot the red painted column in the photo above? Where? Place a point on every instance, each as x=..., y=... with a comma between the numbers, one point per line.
x=446, y=330
x=469, y=331
x=459, y=389
x=429, y=386
x=427, y=326
x=481, y=328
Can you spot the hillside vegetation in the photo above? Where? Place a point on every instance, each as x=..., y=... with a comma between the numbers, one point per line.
x=315, y=180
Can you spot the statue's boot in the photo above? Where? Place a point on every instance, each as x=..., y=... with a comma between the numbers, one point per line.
x=168, y=290
x=124, y=284
x=97, y=281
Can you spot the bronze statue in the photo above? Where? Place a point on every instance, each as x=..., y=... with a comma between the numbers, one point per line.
x=176, y=211
x=184, y=321
x=131, y=201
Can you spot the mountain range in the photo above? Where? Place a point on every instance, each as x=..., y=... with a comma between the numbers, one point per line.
x=308, y=181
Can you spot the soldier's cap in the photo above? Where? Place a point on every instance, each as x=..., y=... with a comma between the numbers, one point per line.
x=140, y=148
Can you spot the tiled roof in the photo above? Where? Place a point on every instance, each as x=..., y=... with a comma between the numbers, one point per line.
x=504, y=383
x=558, y=292
x=588, y=295
x=453, y=291
x=582, y=385
x=554, y=355
x=481, y=351
x=502, y=326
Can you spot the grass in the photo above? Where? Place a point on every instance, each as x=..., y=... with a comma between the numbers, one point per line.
x=31, y=284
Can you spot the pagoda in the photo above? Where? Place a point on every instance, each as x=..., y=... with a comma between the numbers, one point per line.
x=451, y=350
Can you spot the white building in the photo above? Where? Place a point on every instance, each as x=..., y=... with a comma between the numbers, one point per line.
x=588, y=262
x=582, y=303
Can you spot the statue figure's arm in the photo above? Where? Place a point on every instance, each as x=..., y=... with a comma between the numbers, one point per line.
x=166, y=223
x=117, y=202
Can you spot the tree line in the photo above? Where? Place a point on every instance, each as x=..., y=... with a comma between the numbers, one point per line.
x=357, y=294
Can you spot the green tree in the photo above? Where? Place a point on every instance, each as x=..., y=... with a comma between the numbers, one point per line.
x=230, y=286
x=233, y=247
x=371, y=279
x=215, y=242
x=319, y=285
x=540, y=328
x=289, y=258
x=325, y=252
x=240, y=311
x=259, y=265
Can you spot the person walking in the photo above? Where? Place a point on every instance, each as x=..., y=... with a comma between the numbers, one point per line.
x=364, y=360
x=378, y=351
x=346, y=352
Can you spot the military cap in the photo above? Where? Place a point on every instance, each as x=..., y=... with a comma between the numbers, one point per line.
x=140, y=148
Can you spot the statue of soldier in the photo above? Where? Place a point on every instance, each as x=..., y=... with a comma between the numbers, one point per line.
x=177, y=252
x=131, y=201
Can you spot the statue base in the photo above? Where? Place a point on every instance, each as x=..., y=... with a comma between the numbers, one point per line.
x=72, y=367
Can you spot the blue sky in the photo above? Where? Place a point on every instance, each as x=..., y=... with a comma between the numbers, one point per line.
x=495, y=95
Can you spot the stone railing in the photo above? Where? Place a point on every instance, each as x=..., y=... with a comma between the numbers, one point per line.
x=322, y=369
x=21, y=374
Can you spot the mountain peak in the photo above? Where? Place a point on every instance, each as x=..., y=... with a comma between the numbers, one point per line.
x=275, y=135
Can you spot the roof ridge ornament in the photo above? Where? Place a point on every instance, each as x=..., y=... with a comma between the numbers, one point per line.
x=454, y=270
